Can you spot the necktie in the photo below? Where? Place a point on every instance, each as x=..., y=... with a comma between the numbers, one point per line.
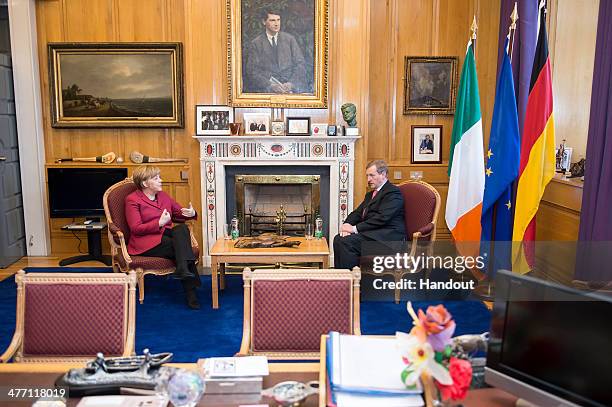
x=275, y=49
x=365, y=210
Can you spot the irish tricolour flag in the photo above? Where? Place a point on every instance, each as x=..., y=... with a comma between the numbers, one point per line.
x=466, y=163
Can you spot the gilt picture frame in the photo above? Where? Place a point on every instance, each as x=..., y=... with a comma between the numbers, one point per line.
x=298, y=78
x=116, y=85
x=430, y=85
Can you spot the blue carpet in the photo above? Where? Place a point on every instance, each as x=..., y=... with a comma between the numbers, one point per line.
x=165, y=324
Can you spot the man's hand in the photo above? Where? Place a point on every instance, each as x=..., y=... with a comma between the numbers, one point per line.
x=278, y=88
x=164, y=218
x=288, y=86
x=188, y=212
x=346, y=229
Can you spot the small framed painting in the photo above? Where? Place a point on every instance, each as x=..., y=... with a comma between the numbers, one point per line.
x=319, y=129
x=426, y=142
x=213, y=120
x=298, y=126
x=256, y=123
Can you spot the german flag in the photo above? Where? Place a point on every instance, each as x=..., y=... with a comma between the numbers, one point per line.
x=537, y=166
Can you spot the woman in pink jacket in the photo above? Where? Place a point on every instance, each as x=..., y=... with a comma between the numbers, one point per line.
x=150, y=213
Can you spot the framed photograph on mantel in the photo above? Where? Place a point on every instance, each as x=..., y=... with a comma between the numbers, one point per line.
x=430, y=85
x=426, y=142
x=116, y=84
x=277, y=53
x=213, y=120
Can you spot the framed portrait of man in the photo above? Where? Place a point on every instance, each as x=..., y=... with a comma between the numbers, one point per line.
x=277, y=53
x=426, y=142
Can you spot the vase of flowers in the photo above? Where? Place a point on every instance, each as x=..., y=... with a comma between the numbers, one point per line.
x=429, y=354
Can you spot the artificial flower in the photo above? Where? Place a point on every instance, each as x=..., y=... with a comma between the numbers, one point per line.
x=460, y=371
x=435, y=326
x=420, y=358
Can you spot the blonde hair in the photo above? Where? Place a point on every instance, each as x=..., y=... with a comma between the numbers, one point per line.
x=144, y=173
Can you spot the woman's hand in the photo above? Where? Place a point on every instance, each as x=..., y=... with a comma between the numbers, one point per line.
x=188, y=212
x=164, y=218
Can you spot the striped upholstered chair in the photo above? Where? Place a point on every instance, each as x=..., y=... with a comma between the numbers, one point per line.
x=119, y=235
x=69, y=317
x=287, y=310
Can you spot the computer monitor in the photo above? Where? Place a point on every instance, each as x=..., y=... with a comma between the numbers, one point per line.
x=78, y=191
x=550, y=344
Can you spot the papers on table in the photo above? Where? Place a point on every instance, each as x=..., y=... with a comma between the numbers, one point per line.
x=123, y=401
x=236, y=367
x=366, y=371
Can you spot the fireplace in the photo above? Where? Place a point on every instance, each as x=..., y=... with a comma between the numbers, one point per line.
x=224, y=158
x=282, y=204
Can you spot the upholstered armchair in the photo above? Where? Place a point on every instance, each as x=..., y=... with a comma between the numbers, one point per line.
x=119, y=235
x=69, y=317
x=287, y=310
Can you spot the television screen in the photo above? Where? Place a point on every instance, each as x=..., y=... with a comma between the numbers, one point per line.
x=79, y=191
x=554, y=339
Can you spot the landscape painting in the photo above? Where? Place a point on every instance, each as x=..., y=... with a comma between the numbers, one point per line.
x=116, y=85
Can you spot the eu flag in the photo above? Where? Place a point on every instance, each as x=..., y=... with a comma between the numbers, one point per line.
x=503, y=159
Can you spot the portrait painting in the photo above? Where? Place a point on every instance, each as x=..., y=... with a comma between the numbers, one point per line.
x=430, y=85
x=426, y=142
x=116, y=84
x=256, y=123
x=277, y=53
x=213, y=120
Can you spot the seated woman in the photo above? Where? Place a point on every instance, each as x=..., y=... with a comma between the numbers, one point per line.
x=150, y=212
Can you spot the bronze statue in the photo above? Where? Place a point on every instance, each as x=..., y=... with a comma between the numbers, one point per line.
x=349, y=113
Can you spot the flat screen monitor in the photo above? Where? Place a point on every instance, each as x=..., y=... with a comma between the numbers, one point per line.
x=550, y=345
x=78, y=191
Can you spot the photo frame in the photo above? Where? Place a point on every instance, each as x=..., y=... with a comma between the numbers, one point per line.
x=298, y=126
x=213, y=120
x=426, y=144
x=563, y=159
x=256, y=123
x=116, y=84
x=300, y=36
x=430, y=85
x=318, y=129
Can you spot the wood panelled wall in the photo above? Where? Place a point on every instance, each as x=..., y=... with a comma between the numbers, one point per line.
x=424, y=28
x=201, y=26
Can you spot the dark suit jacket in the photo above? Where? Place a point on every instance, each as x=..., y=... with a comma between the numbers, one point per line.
x=142, y=215
x=384, y=216
x=260, y=64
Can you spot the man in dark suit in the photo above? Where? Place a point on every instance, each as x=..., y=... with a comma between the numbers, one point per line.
x=274, y=62
x=378, y=219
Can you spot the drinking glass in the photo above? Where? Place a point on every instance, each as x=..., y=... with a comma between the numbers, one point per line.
x=226, y=232
x=308, y=231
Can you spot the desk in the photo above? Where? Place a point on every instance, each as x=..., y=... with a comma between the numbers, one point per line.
x=94, y=243
x=223, y=251
x=45, y=374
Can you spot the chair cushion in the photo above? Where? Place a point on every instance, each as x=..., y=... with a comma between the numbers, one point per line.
x=151, y=263
x=291, y=315
x=74, y=319
x=419, y=206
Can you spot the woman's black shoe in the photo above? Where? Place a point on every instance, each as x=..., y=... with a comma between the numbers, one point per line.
x=192, y=299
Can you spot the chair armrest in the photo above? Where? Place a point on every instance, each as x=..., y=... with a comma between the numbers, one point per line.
x=12, y=348
x=119, y=241
x=425, y=231
x=194, y=242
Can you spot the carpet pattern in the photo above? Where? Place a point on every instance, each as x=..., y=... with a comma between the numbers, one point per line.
x=165, y=324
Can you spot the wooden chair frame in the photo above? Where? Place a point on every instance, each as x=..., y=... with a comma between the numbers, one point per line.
x=115, y=232
x=246, y=347
x=15, y=348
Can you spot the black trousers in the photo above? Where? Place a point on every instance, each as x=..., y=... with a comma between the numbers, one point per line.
x=176, y=245
x=347, y=250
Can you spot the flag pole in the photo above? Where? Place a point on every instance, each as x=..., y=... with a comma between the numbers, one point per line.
x=473, y=29
x=512, y=31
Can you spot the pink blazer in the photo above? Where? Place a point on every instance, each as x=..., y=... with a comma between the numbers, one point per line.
x=142, y=216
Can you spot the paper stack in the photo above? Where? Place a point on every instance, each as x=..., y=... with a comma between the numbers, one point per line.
x=366, y=371
x=235, y=379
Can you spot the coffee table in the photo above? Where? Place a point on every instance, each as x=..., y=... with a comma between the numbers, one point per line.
x=223, y=251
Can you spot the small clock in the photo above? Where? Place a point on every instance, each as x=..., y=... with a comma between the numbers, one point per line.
x=278, y=128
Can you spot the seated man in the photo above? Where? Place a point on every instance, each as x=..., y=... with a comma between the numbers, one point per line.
x=379, y=218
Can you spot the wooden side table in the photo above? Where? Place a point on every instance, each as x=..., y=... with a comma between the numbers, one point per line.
x=223, y=251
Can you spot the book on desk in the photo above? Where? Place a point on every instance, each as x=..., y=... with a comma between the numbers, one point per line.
x=365, y=371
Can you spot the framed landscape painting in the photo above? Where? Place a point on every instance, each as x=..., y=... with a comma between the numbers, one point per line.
x=116, y=84
x=430, y=85
x=277, y=53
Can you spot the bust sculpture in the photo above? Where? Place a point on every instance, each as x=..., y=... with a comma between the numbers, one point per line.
x=349, y=113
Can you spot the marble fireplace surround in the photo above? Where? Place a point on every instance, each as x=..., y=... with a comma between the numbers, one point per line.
x=216, y=152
